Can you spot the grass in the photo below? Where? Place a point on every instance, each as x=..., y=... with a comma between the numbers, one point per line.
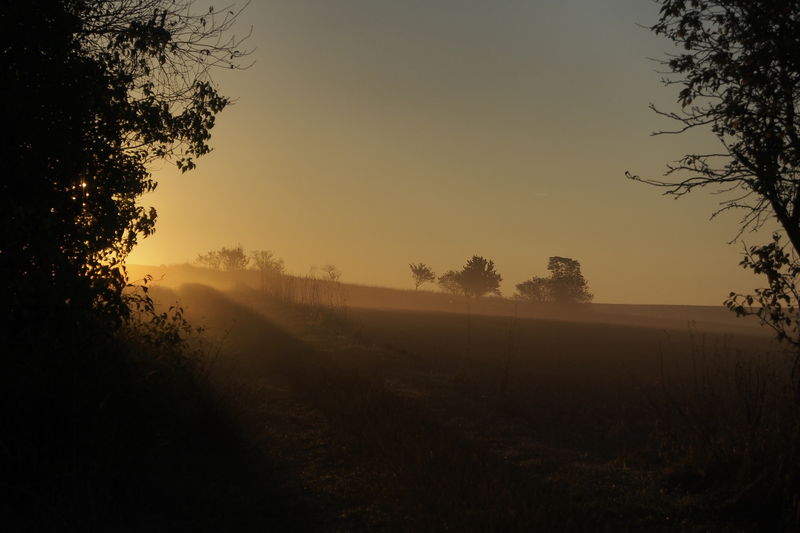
x=423, y=432
x=317, y=415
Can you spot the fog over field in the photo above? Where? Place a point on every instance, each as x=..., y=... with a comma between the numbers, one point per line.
x=425, y=266
x=707, y=319
x=382, y=399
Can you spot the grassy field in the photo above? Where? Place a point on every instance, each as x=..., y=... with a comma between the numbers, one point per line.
x=434, y=420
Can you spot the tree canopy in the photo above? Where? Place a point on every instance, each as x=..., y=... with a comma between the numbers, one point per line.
x=479, y=277
x=94, y=91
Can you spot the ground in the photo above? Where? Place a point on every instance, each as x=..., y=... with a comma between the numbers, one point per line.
x=423, y=420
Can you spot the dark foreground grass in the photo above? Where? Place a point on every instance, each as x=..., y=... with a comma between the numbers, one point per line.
x=357, y=421
x=435, y=441
x=120, y=435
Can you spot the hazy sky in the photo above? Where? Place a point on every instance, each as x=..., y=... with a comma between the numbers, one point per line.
x=373, y=133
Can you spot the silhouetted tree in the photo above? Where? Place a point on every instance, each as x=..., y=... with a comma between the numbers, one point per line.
x=479, y=277
x=535, y=290
x=94, y=91
x=421, y=273
x=738, y=70
x=566, y=284
x=233, y=259
x=266, y=261
x=228, y=259
x=450, y=281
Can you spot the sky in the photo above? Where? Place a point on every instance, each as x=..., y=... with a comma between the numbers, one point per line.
x=370, y=134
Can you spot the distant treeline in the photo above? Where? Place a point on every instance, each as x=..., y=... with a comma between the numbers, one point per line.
x=478, y=277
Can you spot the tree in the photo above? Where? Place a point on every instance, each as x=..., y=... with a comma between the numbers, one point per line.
x=739, y=73
x=479, y=277
x=566, y=284
x=229, y=259
x=268, y=265
x=421, y=273
x=535, y=289
x=740, y=76
x=266, y=261
x=450, y=281
x=233, y=259
x=212, y=260
x=95, y=91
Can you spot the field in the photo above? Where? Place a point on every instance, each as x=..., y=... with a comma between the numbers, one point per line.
x=394, y=410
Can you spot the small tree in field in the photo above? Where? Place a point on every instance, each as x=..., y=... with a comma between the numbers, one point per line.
x=267, y=264
x=421, y=273
x=479, y=277
x=450, y=281
x=234, y=259
x=535, y=289
x=566, y=284
x=266, y=261
x=228, y=259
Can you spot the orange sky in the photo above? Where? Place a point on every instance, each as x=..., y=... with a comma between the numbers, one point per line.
x=374, y=133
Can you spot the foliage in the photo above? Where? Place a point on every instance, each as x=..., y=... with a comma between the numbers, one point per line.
x=266, y=262
x=421, y=273
x=234, y=258
x=535, y=289
x=94, y=93
x=479, y=277
x=777, y=305
x=450, y=281
x=165, y=331
x=566, y=284
x=99, y=91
